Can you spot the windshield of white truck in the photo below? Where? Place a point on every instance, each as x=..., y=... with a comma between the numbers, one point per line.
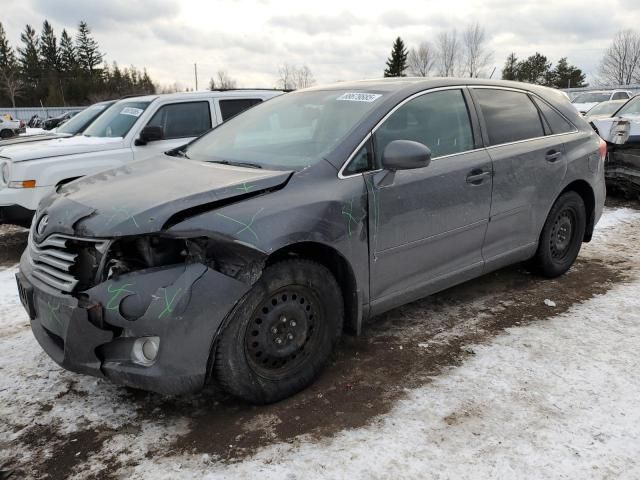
x=117, y=121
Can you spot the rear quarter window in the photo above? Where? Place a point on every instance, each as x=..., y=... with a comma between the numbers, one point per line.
x=556, y=122
x=509, y=116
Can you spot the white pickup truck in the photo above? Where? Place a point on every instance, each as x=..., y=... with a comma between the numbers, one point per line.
x=132, y=129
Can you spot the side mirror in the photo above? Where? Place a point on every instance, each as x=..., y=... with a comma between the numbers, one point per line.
x=150, y=133
x=405, y=155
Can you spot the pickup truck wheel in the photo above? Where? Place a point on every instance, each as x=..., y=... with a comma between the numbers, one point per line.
x=561, y=236
x=281, y=333
x=6, y=134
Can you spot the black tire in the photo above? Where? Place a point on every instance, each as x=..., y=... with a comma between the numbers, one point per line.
x=561, y=236
x=6, y=134
x=282, y=332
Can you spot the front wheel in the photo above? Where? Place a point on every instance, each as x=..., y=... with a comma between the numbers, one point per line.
x=561, y=236
x=282, y=332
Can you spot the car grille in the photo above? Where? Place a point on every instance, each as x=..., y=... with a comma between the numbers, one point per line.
x=63, y=261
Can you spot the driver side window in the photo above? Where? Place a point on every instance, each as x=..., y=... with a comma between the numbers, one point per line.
x=181, y=120
x=439, y=120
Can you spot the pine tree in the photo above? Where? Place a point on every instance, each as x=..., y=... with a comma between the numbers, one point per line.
x=510, y=70
x=566, y=76
x=10, y=81
x=88, y=52
x=29, y=59
x=397, y=62
x=68, y=58
x=49, y=54
x=534, y=69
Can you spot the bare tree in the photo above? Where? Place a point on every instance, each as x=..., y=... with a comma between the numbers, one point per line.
x=222, y=82
x=11, y=84
x=476, y=54
x=448, y=53
x=422, y=60
x=303, y=77
x=621, y=62
x=293, y=77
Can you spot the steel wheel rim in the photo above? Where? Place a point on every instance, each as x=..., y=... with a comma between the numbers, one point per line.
x=283, y=332
x=562, y=234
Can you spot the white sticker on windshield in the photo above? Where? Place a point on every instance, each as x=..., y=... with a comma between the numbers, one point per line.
x=359, y=97
x=135, y=112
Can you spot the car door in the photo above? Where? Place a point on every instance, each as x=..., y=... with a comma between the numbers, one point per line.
x=181, y=122
x=428, y=224
x=529, y=168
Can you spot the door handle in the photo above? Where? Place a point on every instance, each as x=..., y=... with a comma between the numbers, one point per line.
x=552, y=155
x=476, y=177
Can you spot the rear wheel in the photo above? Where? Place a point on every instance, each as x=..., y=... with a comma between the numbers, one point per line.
x=562, y=236
x=282, y=332
x=6, y=134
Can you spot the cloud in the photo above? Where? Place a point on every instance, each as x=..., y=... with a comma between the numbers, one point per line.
x=106, y=13
x=314, y=24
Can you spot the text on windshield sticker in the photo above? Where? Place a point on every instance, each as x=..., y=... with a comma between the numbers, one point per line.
x=359, y=97
x=135, y=112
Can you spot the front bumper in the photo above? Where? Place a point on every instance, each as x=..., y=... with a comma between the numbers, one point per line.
x=93, y=332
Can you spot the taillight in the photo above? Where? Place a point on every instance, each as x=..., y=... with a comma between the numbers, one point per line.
x=602, y=149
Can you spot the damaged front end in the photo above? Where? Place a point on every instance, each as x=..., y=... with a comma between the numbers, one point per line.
x=142, y=311
x=622, y=169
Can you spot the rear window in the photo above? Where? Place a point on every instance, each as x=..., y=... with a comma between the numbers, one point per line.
x=556, y=122
x=231, y=108
x=509, y=116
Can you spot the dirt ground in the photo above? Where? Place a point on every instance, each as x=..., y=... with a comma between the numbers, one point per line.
x=402, y=349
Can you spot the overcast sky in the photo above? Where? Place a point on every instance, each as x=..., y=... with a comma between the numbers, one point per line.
x=338, y=40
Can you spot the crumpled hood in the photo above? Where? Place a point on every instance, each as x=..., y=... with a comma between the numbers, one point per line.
x=143, y=196
x=618, y=130
x=58, y=147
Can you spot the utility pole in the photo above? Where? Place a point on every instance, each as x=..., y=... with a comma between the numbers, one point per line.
x=195, y=73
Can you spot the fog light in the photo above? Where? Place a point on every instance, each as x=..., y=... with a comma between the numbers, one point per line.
x=145, y=350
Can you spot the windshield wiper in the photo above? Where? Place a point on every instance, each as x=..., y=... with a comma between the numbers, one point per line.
x=238, y=164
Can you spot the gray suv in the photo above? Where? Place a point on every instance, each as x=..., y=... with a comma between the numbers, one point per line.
x=243, y=255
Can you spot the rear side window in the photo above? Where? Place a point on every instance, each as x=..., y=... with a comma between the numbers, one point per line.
x=509, y=116
x=620, y=96
x=181, y=120
x=231, y=108
x=439, y=120
x=556, y=122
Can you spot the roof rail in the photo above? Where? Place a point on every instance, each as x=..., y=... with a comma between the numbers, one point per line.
x=241, y=89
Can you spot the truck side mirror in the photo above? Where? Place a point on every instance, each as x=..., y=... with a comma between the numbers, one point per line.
x=150, y=133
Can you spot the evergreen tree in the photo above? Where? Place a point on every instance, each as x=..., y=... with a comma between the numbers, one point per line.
x=49, y=54
x=89, y=56
x=29, y=60
x=566, y=76
x=68, y=58
x=10, y=81
x=534, y=69
x=510, y=70
x=397, y=62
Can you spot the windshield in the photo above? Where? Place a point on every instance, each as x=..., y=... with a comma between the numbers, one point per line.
x=291, y=131
x=82, y=119
x=631, y=108
x=117, y=121
x=591, y=97
x=605, y=108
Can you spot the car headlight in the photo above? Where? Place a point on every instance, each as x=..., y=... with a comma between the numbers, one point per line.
x=5, y=173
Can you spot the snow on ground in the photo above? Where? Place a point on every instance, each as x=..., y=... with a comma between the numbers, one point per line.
x=555, y=399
